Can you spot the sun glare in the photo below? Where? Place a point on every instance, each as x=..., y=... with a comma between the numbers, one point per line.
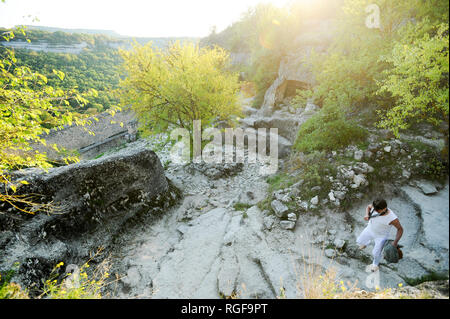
x=139, y=18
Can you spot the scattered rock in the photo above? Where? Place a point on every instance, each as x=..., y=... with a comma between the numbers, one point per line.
x=339, y=194
x=268, y=222
x=368, y=154
x=217, y=171
x=427, y=187
x=279, y=208
x=331, y=196
x=339, y=243
x=358, y=155
x=287, y=224
x=316, y=189
x=132, y=278
x=330, y=253
x=303, y=206
x=406, y=174
x=315, y=200
x=362, y=168
x=359, y=180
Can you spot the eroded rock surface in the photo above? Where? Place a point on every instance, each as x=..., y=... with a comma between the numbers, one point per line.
x=208, y=247
x=93, y=201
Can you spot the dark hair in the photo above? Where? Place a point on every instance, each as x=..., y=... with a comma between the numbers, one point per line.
x=379, y=204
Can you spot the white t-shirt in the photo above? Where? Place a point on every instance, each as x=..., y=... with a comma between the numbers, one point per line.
x=379, y=225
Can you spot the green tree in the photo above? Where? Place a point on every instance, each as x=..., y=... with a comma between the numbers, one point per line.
x=179, y=85
x=418, y=79
x=27, y=105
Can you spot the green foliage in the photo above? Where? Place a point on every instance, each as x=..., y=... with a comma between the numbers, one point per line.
x=8, y=289
x=346, y=74
x=77, y=285
x=408, y=61
x=434, y=165
x=435, y=168
x=278, y=181
x=91, y=69
x=328, y=130
x=418, y=79
x=60, y=37
x=28, y=106
x=179, y=85
x=265, y=32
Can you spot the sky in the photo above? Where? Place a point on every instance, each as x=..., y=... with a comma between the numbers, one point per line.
x=139, y=18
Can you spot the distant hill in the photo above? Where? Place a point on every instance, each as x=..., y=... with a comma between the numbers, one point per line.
x=54, y=35
x=89, y=59
x=110, y=33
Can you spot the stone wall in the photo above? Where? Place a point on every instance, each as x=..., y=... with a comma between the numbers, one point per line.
x=106, y=135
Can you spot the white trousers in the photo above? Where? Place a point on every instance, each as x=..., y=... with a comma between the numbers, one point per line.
x=366, y=237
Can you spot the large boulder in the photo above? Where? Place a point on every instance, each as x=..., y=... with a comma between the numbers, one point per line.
x=93, y=188
x=252, y=136
x=92, y=202
x=287, y=126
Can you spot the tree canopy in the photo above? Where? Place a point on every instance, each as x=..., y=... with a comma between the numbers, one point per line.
x=179, y=85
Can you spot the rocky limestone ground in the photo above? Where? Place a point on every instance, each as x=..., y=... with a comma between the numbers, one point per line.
x=218, y=240
x=218, y=243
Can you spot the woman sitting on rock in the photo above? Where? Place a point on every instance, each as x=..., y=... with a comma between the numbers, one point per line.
x=380, y=220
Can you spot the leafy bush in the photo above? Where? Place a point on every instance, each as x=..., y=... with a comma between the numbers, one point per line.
x=435, y=168
x=328, y=130
x=280, y=180
x=78, y=285
x=11, y=290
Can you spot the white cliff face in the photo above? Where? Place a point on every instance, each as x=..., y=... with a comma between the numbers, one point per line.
x=295, y=68
x=75, y=48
